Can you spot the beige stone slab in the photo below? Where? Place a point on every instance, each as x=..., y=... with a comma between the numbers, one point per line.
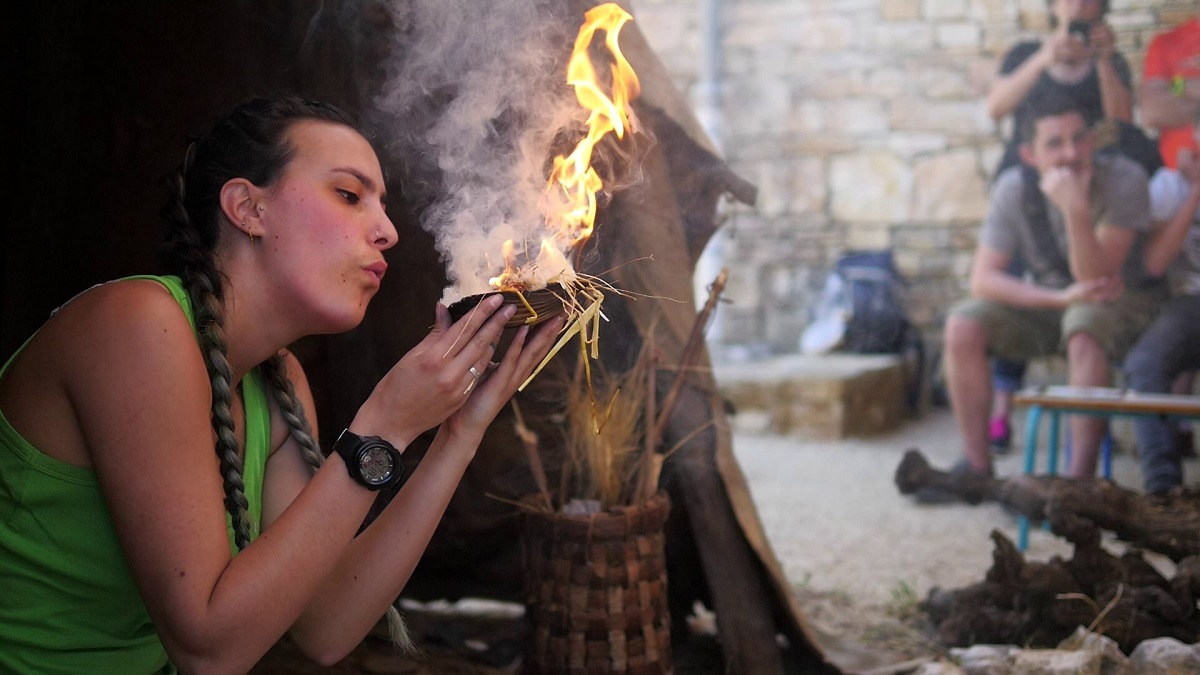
x=828, y=396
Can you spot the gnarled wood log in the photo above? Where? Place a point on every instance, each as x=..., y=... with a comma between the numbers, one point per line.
x=1078, y=509
x=1039, y=604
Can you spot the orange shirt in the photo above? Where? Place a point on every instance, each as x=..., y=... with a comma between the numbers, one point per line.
x=1174, y=54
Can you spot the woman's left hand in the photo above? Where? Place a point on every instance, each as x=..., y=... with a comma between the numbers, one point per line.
x=498, y=385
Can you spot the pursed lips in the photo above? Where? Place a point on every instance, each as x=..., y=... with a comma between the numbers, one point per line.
x=377, y=270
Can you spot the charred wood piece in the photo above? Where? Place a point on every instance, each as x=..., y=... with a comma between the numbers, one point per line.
x=1078, y=509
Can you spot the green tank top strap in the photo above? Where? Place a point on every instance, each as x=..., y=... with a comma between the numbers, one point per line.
x=175, y=285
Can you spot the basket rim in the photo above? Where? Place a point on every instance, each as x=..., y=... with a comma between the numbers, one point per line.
x=615, y=521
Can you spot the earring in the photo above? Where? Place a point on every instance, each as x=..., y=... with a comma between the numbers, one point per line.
x=260, y=207
x=248, y=232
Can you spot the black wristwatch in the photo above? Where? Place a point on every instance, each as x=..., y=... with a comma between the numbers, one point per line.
x=373, y=462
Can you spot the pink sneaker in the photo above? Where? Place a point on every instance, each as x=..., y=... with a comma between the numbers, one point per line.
x=1000, y=435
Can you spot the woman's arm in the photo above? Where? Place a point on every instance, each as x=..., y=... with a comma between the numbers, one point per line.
x=141, y=394
x=378, y=564
x=142, y=398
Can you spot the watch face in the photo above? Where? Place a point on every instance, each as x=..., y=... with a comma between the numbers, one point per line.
x=375, y=464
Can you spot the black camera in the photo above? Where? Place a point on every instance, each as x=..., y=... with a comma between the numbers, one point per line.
x=1080, y=29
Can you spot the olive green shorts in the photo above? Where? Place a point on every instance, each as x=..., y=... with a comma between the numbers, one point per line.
x=1022, y=334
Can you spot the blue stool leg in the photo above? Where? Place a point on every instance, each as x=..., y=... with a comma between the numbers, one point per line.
x=1052, y=454
x=1106, y=454
x=1031, y=438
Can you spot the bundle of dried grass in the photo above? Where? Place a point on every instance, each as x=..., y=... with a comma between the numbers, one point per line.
x=603, y=447
x=612, y=429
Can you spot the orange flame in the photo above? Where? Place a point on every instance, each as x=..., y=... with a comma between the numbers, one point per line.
x=569, y=202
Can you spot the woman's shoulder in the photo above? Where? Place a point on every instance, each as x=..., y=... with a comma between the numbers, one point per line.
x=124, y=304
x=99, y=349
x=120, y=317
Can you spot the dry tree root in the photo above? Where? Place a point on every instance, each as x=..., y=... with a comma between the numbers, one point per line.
x=1038, y=604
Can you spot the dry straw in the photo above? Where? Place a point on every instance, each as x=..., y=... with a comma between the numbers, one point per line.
x=613, y=425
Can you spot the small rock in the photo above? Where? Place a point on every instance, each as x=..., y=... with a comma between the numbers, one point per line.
x=938, y=668
x=985, y=659
x=1165, y=655
x=1056, y=662
x=1114, y=661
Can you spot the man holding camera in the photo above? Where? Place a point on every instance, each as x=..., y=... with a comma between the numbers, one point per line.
x=1078, y=60
x=1170, y=94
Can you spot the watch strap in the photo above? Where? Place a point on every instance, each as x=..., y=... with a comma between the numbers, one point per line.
x=348, y=445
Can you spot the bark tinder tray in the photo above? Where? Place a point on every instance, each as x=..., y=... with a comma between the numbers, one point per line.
x=547, y=302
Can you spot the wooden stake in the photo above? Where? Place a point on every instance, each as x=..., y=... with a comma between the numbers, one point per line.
x=695, y=340
x=647, y=482
x=530, y=440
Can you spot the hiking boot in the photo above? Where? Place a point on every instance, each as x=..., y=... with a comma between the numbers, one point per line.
x=1000, y=435
x=935, y=494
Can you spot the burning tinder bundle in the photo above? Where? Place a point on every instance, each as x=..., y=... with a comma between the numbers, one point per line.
x=540, y=276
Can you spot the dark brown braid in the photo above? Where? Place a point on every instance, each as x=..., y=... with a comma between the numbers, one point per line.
x=275, y=370
x=247, y=142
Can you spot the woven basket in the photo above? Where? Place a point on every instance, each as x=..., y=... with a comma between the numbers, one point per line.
x=596, y=591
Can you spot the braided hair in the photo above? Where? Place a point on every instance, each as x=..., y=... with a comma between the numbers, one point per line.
x=247, y=142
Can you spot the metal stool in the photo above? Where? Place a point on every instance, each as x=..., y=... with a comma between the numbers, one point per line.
x=1104, y=402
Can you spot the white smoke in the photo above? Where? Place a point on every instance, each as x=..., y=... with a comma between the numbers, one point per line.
x=479, y=91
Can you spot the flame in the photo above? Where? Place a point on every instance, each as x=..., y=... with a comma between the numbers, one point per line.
x=568, y=203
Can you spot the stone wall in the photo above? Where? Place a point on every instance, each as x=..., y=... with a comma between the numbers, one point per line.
x=862, y=122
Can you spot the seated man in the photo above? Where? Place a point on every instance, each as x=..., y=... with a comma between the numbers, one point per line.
x=1075, y=220
x=1171, y=345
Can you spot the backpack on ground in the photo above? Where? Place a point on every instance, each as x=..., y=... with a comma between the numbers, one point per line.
x=877, y=322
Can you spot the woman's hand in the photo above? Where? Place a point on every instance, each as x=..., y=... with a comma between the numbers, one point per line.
x=434, y=379
x=497, y=386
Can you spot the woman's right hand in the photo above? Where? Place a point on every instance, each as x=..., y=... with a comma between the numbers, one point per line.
x=427, y=385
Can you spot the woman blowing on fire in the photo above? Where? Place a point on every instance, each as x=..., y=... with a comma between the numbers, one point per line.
x=127, y=545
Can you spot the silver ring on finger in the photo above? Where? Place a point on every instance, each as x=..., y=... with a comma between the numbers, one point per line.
x=474, y=380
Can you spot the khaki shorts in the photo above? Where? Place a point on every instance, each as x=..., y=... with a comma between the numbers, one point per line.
x=1022, y=334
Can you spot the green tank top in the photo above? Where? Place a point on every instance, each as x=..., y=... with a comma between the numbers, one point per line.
x=68, y=603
